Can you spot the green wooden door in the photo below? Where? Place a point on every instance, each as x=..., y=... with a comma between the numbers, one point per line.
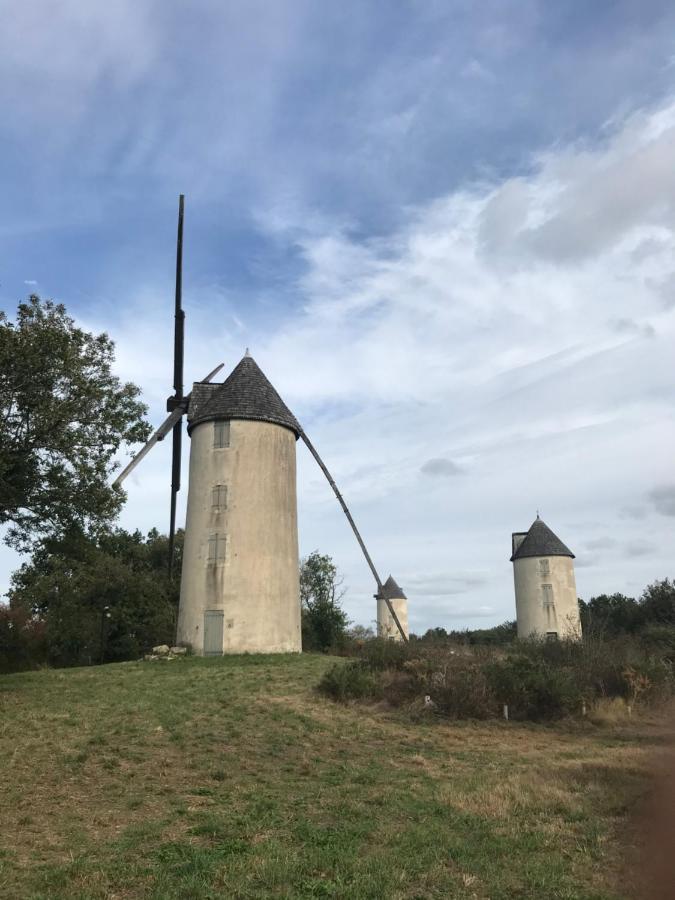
x=213, y=632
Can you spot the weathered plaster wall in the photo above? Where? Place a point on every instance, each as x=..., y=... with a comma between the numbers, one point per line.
x=256, y=585
x=386, y=627
x=533, y=614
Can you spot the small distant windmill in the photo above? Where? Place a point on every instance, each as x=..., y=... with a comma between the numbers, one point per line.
x=546, y=591
x=239, y=584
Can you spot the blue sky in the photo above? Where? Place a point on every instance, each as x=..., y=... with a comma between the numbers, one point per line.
x=445, y=230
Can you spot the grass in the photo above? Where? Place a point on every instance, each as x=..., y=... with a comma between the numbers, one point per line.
x=209, y=778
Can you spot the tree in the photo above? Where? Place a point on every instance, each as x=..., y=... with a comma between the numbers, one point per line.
x=99, y=599
x=63, y=417
x=324, y=622
x=657, y=603
x=610, y=615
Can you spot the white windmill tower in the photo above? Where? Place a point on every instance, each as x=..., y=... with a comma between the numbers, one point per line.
x=239, y=585
x=546, y=591
x=386, y=627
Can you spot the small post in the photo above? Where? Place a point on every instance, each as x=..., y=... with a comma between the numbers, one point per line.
x=506, y=712
x=583, y=708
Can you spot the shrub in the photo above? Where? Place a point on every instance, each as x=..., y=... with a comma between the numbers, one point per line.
x=533, y=688
x=384, y=653
x=462, y=691
x=539, y=680
x=349, y=681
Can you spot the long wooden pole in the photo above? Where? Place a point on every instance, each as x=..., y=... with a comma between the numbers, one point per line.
x=345, y=509
x=178, y=355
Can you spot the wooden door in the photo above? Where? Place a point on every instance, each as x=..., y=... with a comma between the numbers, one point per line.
x=213, y=632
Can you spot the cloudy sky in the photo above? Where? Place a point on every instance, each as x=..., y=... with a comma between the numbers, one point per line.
x=445, y=229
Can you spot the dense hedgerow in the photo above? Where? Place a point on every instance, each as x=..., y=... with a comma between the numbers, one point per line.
x=537, y=680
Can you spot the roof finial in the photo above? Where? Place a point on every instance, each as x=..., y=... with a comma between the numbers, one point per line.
x=247, y=353
x=537, y=513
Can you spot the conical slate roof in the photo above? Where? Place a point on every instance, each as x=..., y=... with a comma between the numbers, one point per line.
x=245, y=394
x=391, y=590
x=540, y=541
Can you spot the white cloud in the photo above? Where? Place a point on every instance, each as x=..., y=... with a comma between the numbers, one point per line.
x=493, y=331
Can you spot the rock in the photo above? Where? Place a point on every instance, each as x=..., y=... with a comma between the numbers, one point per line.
x=149, y=656
x=179, y=651
x=428, y=702
x=161, y=650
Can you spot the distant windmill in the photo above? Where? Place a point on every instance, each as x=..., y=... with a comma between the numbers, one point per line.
x=239, y=586
x=546, y=591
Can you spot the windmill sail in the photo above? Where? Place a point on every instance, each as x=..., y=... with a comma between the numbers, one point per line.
x=173, y=402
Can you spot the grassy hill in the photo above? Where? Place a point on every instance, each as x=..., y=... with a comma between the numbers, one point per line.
x=205, y=778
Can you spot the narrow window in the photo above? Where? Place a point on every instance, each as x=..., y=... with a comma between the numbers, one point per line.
x=548, y=595
x=216, y=548
x=219, y=496
x=544, y=567
x=221, y=435
x=551, y=635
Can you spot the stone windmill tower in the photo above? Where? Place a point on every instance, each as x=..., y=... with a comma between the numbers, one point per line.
x=386, y=627
x=546, y=591
x=239, y=585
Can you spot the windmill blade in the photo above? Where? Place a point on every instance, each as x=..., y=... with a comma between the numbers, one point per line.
x=163, y=429
x=178, y=356
x=358, y=537
x=179, y=318
x=159, y=435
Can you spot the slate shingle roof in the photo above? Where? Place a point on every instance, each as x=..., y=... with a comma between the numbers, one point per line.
x=391, y=590
x=540, y=541
x=245, y=394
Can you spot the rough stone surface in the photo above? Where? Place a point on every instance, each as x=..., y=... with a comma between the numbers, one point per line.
x=251, y=582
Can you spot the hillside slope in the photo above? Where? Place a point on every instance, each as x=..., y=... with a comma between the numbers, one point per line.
x=205, y=778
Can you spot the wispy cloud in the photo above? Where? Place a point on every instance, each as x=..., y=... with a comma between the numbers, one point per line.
x=459, y=276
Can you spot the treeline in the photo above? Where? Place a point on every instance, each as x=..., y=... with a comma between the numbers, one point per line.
x=607, y=615
x=82, y=601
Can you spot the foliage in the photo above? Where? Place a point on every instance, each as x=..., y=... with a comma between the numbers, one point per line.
x=99, y=599
x=610, y=614
x=348, y=681
x=324, y=622
x=63, y=417
x=386, y=653
x=22, y=640
x=657, y=603
x=360, y=633
x=538, y=680
x=533, y=688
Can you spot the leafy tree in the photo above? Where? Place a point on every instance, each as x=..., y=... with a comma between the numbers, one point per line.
x=361, y=633
x=657, y=603
x=324, y=622
x=99, y=599
x=22, y=640
x=63, y=417
x=610, y=614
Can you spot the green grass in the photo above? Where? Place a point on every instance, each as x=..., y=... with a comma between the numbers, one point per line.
x=199, y=778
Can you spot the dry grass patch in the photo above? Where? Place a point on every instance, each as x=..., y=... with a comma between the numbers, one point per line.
x=232, y=778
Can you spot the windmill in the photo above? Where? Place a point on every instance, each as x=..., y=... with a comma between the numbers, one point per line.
x=239, y=584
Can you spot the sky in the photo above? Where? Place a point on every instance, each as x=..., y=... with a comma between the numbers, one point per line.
x=445, y=230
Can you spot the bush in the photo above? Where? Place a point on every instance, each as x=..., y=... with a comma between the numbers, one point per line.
x=349, y=681
x=533, y=688
x=22, y=640
x=384, y=653
x=539, y=680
